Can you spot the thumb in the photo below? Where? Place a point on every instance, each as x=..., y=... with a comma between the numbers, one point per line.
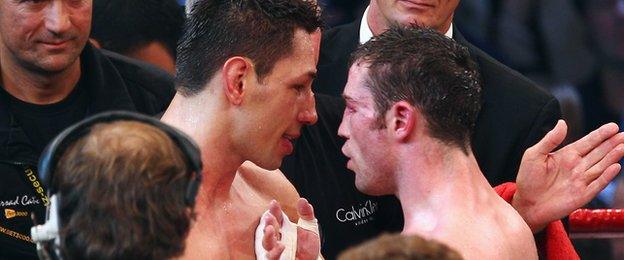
x=552, y=139
x=305, y=209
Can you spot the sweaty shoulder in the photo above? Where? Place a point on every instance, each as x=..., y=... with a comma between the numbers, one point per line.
x=150, y=87
x=273, y=185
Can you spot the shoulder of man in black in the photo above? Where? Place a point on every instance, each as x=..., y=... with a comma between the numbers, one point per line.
x=516, y=113
x=150, y=87
x=337, y=44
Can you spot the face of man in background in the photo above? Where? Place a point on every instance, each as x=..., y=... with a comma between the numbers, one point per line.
x=45, y=36
x=367, y=144
x=435, y=14
x=280, y=104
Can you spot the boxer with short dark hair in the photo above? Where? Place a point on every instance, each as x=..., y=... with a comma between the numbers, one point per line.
x=244, y=77
x=412, y=97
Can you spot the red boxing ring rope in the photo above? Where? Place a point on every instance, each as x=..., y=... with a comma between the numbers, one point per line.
x=597, y=223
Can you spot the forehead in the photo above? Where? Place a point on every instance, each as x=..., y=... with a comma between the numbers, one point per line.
x=303, y=57
x=356, y=83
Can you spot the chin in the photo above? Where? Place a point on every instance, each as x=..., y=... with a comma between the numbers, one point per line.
x=366, y=189
x=56, y=65
x=372, y=189
x=269, y=165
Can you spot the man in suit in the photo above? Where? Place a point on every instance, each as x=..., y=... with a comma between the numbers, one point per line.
x=515, y=114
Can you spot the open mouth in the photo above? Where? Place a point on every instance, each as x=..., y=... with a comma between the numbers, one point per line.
x=290, y=138
x=288, y=142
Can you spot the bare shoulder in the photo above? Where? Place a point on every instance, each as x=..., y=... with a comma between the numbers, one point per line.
x=273, y=185
x=523, y=243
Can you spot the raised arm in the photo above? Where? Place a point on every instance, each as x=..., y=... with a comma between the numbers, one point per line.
x=553, y=184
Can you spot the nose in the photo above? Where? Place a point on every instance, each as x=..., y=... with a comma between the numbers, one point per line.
x=308, y=114
x=57, y=17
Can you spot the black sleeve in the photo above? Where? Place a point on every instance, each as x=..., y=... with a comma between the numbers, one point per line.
x=544, y=122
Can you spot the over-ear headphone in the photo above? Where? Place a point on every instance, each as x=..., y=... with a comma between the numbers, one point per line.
x=42, y=235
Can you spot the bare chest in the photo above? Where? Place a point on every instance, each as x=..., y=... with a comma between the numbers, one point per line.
x=226, y=229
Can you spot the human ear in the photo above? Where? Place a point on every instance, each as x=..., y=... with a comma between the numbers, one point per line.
x=401, y=119
x=234, y=72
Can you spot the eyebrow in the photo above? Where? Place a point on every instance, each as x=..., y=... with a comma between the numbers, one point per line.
x=305, y=76
x=348, y=98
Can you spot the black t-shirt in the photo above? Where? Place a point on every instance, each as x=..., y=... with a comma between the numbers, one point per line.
x=42, y=123
x=317, y=168
x=22, y=192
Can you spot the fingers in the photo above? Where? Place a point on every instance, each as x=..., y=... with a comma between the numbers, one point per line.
x=270, y=243
x=269, y=240
x=305, y=209
x=276, y=210
x=613, y=156
x=594, y=139
x=607, y=147
x=276, y=252
x=552, y=139
x=602, y=181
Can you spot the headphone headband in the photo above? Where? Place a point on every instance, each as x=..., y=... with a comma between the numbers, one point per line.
x=55, y=149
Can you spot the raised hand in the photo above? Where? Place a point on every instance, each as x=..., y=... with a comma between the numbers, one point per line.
x=550, y=185
x=281, y=241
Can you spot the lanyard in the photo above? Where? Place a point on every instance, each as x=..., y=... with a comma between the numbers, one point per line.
x=31, y=176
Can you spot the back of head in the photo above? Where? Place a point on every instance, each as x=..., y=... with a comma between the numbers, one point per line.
x=400, y=247
x=430, y=71
x=261, y=30
x=125, y=26
x=122, y=192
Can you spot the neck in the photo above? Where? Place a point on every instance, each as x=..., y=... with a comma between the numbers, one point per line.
x=202, y=118
x=438, y=184
x=375, y=19
x=37, y=87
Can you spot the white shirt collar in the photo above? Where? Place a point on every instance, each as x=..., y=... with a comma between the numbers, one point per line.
x=366, y=34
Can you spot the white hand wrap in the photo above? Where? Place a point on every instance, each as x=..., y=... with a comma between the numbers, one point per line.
x=289, y=236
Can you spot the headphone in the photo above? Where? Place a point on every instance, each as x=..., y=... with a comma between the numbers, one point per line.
x=46, y=236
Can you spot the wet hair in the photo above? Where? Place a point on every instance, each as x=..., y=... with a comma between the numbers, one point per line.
x=261, y=30
x=123, y=192
x=430, y=71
